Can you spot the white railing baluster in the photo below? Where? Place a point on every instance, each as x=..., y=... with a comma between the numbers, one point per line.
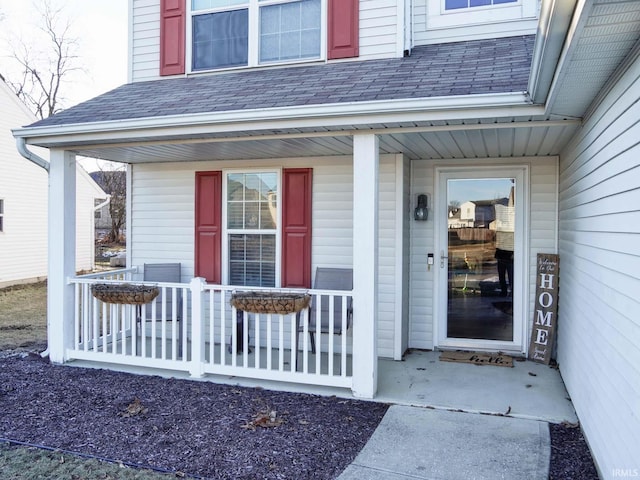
x=174, y=323
x=317, y=335
x=212, y=304
x=105, y=330
x=256, y=330
x=76, y=313
x=269, y=340
x=280, y=343
x=245, y=339
x=184, y=323
x=343, y=345
x=330, y=334
x=223, y=326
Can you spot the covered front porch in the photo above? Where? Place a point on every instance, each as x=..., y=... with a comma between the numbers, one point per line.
x=367, y=173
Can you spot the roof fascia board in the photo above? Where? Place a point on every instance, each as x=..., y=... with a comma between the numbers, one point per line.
x=345, y=133
x=555, y=19
x=324, y=116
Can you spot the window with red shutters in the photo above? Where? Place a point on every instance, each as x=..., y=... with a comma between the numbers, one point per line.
x=244, y=208
x=343, y=29
x=172, y=37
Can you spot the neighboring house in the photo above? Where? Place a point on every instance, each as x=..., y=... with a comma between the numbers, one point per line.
x=344, y=111
x=24, y=200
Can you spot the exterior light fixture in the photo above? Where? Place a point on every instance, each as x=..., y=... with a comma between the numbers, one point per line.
x=421, y=212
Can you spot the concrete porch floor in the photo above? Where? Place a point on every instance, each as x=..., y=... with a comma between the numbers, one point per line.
x=528, y=390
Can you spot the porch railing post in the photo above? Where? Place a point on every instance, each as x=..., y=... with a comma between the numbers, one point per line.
x=197, y=327
x=365, y=265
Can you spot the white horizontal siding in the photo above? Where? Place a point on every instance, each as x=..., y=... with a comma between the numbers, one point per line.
x=428, y=28
x=162, y=220
x=599, y=325
x=379, y=24
x=145, y=40
x=421, y=281
x=542, y=237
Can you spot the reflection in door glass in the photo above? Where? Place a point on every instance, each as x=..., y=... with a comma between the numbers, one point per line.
x=481, y=227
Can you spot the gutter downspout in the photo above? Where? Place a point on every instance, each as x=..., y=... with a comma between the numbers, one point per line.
x=41, y=162
x=29, y=155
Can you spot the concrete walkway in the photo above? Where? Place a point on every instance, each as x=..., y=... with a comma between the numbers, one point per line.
x=422, y=443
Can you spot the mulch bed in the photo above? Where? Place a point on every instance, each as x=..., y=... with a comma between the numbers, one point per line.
x=205, y=429
x=199, y=428
x=570, y=455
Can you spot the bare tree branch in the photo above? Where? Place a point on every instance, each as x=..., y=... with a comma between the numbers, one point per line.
x=44, y=71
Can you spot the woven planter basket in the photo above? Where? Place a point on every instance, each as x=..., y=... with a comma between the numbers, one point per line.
x=264, y=302
x=124, y=293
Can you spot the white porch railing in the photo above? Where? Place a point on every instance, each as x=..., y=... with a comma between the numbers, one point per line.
x=210, y=336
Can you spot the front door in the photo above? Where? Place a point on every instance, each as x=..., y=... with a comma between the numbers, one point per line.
x=481, y=252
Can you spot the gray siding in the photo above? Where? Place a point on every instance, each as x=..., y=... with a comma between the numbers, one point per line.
x=599, y=325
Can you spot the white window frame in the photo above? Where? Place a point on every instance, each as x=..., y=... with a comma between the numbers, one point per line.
x=440, y=17
x=253, y=61
x=227, y=231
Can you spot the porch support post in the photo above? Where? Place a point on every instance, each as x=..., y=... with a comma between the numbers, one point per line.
x=365, y=265
x=62, y=253
x=197, y=327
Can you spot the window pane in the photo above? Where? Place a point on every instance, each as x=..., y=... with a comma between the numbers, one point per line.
x=251, y=215
x=220, y=39
x=256, y=265
x=206, y=4
x=290, y=31
x=479, y=3
x=453, y=4
x=235, y=215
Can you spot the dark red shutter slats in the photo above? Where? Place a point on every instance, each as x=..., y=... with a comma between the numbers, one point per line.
x=208, y=257
x=296, y=227
x=172, y=37
x=343, y=29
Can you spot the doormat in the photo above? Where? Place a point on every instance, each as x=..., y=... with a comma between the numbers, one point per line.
x=478, y=358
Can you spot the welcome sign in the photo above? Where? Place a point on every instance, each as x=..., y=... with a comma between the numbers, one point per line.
x=546, y=308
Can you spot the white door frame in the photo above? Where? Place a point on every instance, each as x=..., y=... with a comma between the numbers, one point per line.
x=521, y=260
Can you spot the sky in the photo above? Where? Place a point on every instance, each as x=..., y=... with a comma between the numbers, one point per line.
x=101, y=29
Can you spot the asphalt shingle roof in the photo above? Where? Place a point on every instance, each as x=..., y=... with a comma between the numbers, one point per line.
x=476, y=67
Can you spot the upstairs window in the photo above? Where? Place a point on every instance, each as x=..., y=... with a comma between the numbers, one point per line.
x=221, y=37
x=456, y=4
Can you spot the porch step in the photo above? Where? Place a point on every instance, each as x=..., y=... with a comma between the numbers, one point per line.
x=421, y=443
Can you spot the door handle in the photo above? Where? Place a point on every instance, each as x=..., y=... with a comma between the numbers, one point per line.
x=443, y=257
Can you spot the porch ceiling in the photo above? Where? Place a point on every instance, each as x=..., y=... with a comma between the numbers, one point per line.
x=511, y=137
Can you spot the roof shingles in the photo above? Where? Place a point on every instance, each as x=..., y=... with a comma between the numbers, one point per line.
x=464, y=68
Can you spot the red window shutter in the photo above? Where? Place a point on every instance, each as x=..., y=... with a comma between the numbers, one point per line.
x=296, y=227
x=172, y=36
x=208, y=258
x=343, y=29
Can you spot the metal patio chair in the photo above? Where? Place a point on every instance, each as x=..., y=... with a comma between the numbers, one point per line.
x=328, y=279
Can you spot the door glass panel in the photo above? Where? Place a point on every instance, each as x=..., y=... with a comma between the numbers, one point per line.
x=481, y=227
